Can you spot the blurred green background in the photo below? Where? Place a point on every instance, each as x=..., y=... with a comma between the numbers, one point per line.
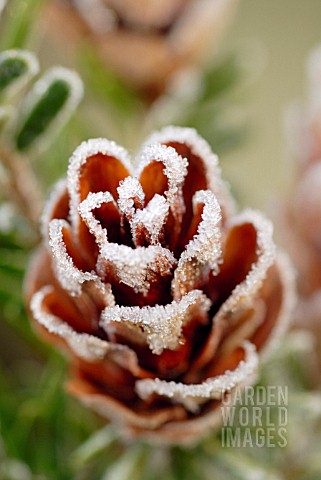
x=278, y=35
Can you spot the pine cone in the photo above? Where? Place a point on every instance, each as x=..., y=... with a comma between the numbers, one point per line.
x=162, y=297
x=300, y=218
x=144, y=42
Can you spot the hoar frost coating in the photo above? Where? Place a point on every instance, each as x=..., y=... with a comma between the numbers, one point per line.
x=162, y=297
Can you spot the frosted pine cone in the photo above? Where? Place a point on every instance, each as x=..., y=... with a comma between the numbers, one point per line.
x=145, y=42
x=162, y=297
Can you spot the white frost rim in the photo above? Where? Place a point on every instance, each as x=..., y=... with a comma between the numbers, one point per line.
x=86, y=150
x=162, y=324
x=152, y=219
x=203, y=249
x=175, y=170
x=94, y=201
x=191, y=396
x=243, y=294
x=136, y=268
x=83, y=345
x=68, y=275
x=201, y=149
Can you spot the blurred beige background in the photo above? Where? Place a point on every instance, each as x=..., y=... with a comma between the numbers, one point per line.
x=282, y=33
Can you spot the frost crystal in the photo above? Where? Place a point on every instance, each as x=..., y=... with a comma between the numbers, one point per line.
x=151, y=220
x=95, y=201
x=69, y=276
x=200, y=148
x=175, y=169
x=135, y=267
x=191, y=396
x=77, y=161
x=243, y=294
x=85, y=346
x=204, y=249
x=161, y=325
x=243, y=297
x=131, y=196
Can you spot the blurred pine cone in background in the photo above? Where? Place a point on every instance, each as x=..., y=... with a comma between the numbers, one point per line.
x=161, y=295
x=144, y=42
x=300, y=221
